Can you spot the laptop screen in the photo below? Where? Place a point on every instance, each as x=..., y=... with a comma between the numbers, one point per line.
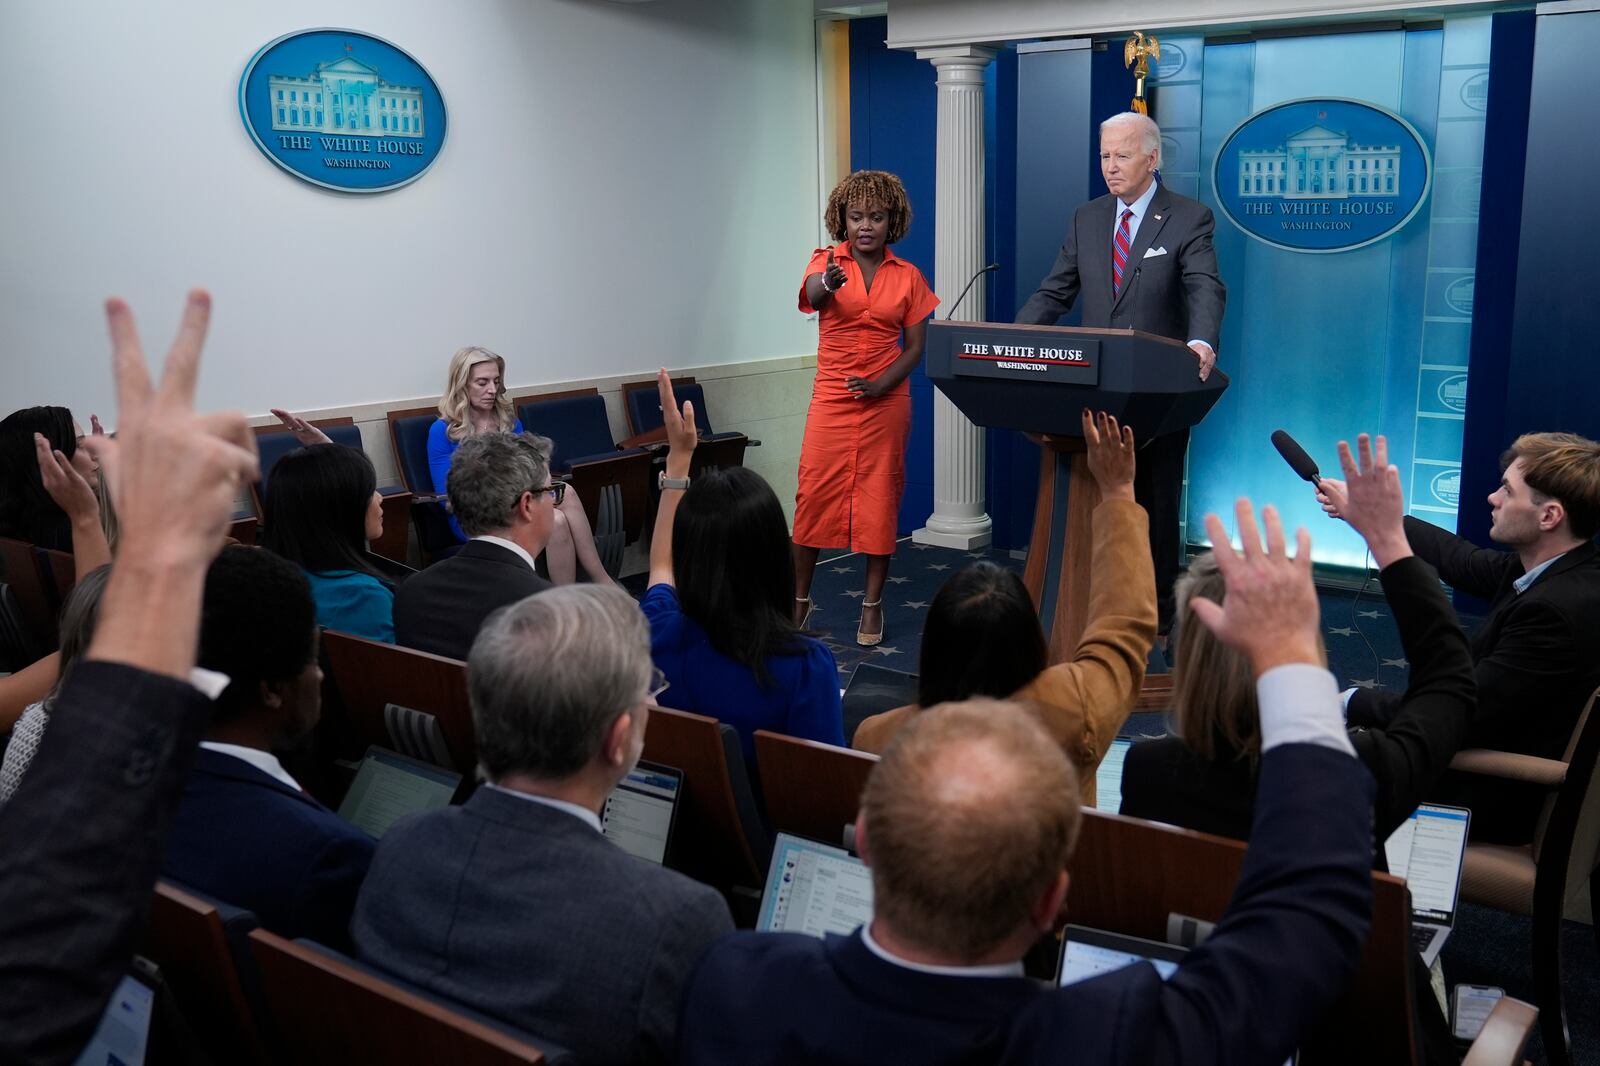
x=1427, y=850
x=814, y=888
x=1087, y=953
x=1108, y=779
x=639, y=812
x=123, y=1035
x=389, y=786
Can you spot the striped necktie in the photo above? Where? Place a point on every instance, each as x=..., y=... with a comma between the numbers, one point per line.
x=1119, y=255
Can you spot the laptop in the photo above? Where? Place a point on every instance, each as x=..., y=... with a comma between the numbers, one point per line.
x=814, y=888
x=389, y=786
x=641, y=810
x=1087, y=953
x=1108, y=778
x=1427, y=850
x=123, y=1035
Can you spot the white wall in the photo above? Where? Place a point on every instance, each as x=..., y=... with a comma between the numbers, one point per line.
x=622, y=186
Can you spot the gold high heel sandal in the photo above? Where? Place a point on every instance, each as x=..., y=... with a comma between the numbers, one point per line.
x=863, y=638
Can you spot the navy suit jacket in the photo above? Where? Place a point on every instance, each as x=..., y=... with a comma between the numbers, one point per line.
x=441, y=609
x=1239, y=997
x=523, y=912
x=1176, y=294
x=243, y=836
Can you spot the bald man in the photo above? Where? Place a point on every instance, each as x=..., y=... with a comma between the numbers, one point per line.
x=967, y=824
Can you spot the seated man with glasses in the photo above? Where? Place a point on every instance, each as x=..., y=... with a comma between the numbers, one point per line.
x=514, y=904
x=501, y=493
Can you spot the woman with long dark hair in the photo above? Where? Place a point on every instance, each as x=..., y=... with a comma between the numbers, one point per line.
x=27, y=510
x=721, y=579
x=982, y=636
x=322, y=507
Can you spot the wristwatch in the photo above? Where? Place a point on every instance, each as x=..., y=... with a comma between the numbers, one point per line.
x=666, y=482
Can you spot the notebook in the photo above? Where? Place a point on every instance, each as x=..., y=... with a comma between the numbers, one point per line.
x=1427, y=850
x=1108, y=779
x=814, y=888
x=389, y=786
x=640, y=811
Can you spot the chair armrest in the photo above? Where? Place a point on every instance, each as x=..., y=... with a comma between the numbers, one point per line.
x=647, y=438
x=1513, y=767
x=1504, y=1035
x=439, y=498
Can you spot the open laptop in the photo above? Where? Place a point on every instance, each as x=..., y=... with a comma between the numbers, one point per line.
x=1087, y=953
x=814, y=888
x=123, y=1036
x=1108, y=778
x=1427, y=850
x=389, y=786
x=641, y=810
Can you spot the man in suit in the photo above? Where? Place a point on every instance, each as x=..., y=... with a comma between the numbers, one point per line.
x=1536, y=655
x=967, y=824
x=1141, y=257
x=82, y=836
x=515, y=904
x=246, y=832
x=500, y=493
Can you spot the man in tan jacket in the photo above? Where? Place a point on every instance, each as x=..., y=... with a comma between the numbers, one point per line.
x=983, y=638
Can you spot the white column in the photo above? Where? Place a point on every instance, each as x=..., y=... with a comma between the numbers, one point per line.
x=958, y=519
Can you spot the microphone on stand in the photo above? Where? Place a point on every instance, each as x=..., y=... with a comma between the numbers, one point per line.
x=1296, y=457
x=955, y=306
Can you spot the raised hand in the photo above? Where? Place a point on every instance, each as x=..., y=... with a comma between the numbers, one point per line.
x=681, y=434
x=1270, y=611
x=833, y=275
x=1373, y=503
x=95, y=427
x=303, y=431
x=1111, y=454
x=64, y=484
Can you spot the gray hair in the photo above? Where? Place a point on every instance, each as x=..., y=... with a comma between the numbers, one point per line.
x=548, y=677
x=488, y=475
x=1149, y=132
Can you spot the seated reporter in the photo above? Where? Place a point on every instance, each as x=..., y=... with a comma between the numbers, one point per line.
x=1205, y=778
x=29, y=510
x=246, y=832
x=515, y=904
x=322, y=507
x=502, y=495
x=964, y=884
x=982, y=636
x=720, y=601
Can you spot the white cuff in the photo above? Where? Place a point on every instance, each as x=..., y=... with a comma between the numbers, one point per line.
x=1300, y=705
x=210, y=683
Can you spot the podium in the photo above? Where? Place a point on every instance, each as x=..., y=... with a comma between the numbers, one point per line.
x=1037, y=380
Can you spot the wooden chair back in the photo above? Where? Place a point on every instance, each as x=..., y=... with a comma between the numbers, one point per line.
x=187, y=939
x=327, y=1012
x=20, y=564
x=1129, y=875
x=370, y=675
x=61, y=571
x=712, y=841
x=811, y=790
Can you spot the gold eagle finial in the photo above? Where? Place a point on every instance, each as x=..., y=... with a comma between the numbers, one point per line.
x=1137, y=53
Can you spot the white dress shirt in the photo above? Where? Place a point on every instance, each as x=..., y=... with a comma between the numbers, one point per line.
x=1140, y=208
x=264, y=761
x=1300, y=705
x=998, y=969
x=1521, y=584
x=583, y=814
x=509, y=545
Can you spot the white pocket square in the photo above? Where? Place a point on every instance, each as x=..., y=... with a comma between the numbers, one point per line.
x=1151, y=253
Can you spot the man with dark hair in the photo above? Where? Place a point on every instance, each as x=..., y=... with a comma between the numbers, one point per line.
x=246, y=832
x=501, y=494
x=515, y=904
x=1537, y=654
x=967, y=824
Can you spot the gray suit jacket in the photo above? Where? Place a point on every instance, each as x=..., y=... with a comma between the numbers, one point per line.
x=523, y=912
x=1177, y=294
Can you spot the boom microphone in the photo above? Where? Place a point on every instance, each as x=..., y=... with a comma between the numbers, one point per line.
x=970, y=284
x=1296, y=457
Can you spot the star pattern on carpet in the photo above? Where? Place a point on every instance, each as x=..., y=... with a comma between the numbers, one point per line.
x=923, y=547
x=843, y=569
x=1370, y=614
x=1344, y=631
x=884, y=649
x=915, y=605
x=899, y=580
x=854, y=593
x=938, y=566
x=1370, y=682
x=977, y=555
x=1402, y=664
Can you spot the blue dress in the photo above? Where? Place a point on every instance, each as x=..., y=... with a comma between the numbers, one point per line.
x=440, y=451
x=801, y=701
x=353, y=602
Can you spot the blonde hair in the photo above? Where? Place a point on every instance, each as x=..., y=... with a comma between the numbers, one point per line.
x=970, y=816
x=453, y=405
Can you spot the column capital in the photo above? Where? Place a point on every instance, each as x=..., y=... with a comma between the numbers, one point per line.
x=958, y=55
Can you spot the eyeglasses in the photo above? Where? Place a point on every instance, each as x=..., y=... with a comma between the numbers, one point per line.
x=557, y=489
x=658, y=684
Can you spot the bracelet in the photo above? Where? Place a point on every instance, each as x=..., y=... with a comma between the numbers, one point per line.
x=824, y=277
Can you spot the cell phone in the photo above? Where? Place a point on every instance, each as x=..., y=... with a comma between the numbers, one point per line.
x=1469, y=1009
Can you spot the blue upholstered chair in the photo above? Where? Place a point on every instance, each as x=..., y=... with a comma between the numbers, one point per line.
x=643, y=406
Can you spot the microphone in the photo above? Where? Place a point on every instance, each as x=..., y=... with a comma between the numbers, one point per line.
x=970, y=284
x=1296, y=457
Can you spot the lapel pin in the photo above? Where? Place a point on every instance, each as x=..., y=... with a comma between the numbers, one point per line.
x=1158, y=218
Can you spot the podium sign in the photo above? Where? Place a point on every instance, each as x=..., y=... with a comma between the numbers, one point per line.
x=981, y=352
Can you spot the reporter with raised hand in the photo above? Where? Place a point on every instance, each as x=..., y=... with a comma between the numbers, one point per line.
x=83, y=834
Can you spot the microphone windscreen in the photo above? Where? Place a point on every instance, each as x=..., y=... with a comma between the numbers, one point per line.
x=1301, y=463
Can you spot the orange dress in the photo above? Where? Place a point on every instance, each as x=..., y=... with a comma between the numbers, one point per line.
x=853, y=458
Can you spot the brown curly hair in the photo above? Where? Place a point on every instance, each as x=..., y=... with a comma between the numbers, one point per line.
x=869, y=187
